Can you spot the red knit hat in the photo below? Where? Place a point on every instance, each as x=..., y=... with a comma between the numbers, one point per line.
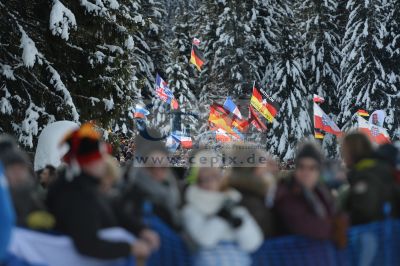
x=85, y=145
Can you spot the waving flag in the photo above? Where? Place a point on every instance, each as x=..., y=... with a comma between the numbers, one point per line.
x=221, y=135
x=184, y=140
x=318, y=134
x=377, y=118
x=140, y=112
x=220, y=118
x=231, y=107
x=255, y=120
x=196, y=42
x=165, y=94
x=267, y=107
x=318, y=99
x=196, y=57
x=362, y=112
x=323, y=122
x=377, y=134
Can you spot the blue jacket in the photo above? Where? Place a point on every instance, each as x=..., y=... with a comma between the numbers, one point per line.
x=6, y=214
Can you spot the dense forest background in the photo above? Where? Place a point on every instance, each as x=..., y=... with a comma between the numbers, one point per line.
x=84, y=60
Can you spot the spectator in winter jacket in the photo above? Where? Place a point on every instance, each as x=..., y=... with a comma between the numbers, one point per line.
x=6, y=215
x=29, y=209
x=80, y=209
x=303, y=205
x=222, y=231
x=256, y=184
x=153, y=184
x=372, y=193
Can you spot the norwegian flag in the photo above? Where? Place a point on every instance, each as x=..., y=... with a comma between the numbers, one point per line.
x=165, y=94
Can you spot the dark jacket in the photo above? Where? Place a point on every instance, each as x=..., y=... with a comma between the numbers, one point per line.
x=303, y=212
x=254, y=193
x=372, y=190
x=164, y=198
x=81, y=211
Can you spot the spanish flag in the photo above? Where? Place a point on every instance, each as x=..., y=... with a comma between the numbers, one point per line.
x=265, y=107
x=219, y=118
x=197, y=58
x=362, y=112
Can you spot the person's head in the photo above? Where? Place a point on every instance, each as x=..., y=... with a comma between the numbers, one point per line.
x=388, y=153
x=86, y=151
x=47, y=176
x=206, y=171
x=17, y=168
x=308, y=165
x=355, y=147
x=111, y=175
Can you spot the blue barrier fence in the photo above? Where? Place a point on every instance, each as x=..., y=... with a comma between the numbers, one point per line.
x=375, y=244
x=372, y=244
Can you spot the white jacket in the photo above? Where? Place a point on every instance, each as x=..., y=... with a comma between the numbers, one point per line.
x=207, y=229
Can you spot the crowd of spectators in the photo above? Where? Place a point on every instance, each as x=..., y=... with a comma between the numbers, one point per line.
x=218, y=209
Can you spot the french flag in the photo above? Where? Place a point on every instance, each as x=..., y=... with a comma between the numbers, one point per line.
x=377, y=134
x=323, y=122
x=184, y=140
x=231, y=107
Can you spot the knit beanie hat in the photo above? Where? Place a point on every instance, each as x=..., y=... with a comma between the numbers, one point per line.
x=85, y=145
x=309, y=150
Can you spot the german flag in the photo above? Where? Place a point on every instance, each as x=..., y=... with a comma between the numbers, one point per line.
x=266, y=107
x=318, y=134
x=362, y=112
x=197, y=58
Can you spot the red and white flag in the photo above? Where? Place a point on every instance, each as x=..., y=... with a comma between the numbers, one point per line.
x=377, y=134
x=318, y=99
x=323, y=122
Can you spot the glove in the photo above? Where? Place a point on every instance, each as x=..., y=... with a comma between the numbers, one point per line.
x=226, y=213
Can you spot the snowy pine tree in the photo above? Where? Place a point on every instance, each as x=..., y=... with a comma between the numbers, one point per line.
x=369, y=80
x=289, y=86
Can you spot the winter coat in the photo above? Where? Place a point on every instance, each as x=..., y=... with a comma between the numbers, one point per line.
x=81, y=211
x=164, y=198
x=212, y=233
x=372, y=189
x=6, y=215
x=303, y=212
x=254, y=199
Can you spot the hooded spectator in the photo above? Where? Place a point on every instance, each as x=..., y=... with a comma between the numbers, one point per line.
x=256, y=183
x=80, y=209
x=305, y=206
x=152, y=187
x=372, y=193
x=222, y=231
